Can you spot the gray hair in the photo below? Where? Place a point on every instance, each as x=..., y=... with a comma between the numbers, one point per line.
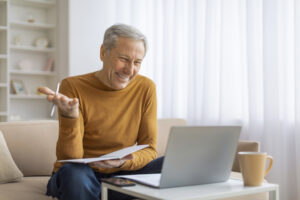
x=122, y=30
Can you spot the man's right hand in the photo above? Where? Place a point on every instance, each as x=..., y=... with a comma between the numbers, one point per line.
x=69, y=107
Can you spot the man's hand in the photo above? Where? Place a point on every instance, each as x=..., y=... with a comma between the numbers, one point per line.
x=68, y=106
x=108, y=164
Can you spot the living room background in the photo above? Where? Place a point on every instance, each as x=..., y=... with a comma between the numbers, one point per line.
x=214, y=62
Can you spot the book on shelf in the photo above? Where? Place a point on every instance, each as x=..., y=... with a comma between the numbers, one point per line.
x=49, y=67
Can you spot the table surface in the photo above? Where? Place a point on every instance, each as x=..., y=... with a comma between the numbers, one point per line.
x=227, y=189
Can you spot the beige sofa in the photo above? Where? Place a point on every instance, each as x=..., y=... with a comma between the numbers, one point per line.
x=32, y=145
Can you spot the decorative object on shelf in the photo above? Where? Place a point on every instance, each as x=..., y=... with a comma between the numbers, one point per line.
x=18, y=40
x=49, y=67
x=18, y=87
x=30, y=18
x=25, y=65
x=41, y=42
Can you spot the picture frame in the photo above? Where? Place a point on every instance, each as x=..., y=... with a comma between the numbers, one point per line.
x=18, y=87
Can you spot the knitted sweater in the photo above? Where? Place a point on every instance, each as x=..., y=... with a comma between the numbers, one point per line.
x=108, y=120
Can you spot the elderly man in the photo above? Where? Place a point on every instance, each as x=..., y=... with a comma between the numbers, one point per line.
x=104, y=111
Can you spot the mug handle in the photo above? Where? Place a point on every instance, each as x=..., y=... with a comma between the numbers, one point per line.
x=270, y=158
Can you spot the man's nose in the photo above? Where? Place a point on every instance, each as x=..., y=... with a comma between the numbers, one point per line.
x=129, y=68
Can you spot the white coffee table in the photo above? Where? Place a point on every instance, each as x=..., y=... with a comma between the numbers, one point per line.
x=231, y=188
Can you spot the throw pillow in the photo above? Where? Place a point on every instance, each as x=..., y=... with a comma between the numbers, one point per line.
x=9, y=171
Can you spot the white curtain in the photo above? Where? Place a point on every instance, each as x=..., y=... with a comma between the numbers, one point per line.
x=226, y=62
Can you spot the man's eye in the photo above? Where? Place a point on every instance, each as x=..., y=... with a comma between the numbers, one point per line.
x=138, y=63
x=123, y=59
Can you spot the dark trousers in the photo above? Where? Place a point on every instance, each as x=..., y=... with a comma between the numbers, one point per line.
x=79, y=181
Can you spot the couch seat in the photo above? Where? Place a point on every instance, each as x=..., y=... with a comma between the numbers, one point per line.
x=30, y=188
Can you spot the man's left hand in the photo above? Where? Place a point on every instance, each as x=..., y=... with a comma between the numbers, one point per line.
x=108, y=164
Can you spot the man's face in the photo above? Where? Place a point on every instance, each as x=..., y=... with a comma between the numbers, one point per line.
x=122, y=63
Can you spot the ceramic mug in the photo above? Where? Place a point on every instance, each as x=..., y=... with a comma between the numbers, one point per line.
x=253, y=167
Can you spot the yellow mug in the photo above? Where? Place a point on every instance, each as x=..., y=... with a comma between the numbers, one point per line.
x=253, y=167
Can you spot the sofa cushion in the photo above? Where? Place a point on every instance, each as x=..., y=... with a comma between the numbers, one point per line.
x=30, y=188
x=32, y=145
x=9, y=172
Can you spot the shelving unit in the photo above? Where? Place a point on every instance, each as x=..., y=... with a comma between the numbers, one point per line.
x=35, y=3
x=39, y=73
x=3, y=28
x=28, y=96
x=27, y=44
x=3, y=62
x=30, y=48
x=30, y=25
x=3, y=115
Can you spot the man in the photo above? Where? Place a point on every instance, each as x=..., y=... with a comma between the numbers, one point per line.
x=104, y=111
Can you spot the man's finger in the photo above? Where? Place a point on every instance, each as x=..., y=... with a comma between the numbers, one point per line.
x=64, y=100
x=50, y=98
x=100, y=164
x=73, y=102
x=46, y=90
x=128, y=157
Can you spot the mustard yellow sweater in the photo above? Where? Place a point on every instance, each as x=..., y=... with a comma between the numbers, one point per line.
x=109, y=120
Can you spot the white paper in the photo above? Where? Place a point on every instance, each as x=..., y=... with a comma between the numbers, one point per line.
x=114, y=155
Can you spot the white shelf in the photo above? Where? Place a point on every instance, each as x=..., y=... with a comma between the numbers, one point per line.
x=3, y=85
x=31, y=25
x=43, y=73
x=30, y=119
x=30, y=48
x=3, y=113
x=3, y=28
x=3, y=56
x=26, y=96
x=35, y=3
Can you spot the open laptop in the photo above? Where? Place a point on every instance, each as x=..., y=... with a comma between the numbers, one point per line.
x=194, y=156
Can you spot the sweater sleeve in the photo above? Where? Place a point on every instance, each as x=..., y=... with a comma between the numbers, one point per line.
x=69, y=144
x=147, y=133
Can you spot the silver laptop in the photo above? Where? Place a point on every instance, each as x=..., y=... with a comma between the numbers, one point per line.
x=194, y=156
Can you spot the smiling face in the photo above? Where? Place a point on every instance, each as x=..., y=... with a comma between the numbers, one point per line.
x=121, y=63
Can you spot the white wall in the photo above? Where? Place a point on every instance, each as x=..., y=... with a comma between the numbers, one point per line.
x=87, y=24
x=88, y=21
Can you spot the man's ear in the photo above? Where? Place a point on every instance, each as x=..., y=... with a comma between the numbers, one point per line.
x=102, y=52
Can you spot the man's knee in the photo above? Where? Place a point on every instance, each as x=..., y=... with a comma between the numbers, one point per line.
x=79, y=176
x=74, y=173
x=76, y=181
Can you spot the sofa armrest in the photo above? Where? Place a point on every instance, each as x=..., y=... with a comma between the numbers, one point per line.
x=244, y=146
x=164, y=126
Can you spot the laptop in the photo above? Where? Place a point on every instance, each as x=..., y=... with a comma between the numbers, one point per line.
x=195, y=155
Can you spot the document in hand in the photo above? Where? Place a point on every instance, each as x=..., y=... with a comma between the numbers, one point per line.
x=114, y=155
